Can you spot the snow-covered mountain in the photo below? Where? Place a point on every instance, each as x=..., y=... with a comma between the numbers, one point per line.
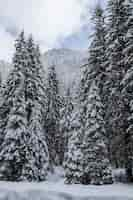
x=5, y=68
x=66, y=61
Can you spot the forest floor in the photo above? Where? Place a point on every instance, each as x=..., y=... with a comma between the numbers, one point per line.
x=55, y=189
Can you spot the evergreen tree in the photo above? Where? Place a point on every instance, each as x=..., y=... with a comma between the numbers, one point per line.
x=37, y=158
x=13, y=81
x=127, y=86
x=97, y=64
x=31, y=77
x=37, y=161
x=53, y=117
x=96, y=164
x=118, y=13
x=73, y=157
x=65, y=122
x=14, y=124
x=35, y=90
x=97, y=53
x=73, y=161
x=24, y=154
x=97, y=50
x=14, y=146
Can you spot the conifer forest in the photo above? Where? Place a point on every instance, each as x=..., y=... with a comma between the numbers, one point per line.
x=87, y=135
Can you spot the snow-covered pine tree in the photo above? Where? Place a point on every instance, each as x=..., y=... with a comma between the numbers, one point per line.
x=14, y=124
x=91, y=133
x=23, y=97
x=98, y=59
x=35, y=93
x=53, y=117
x=96, y=164
x=97, y=48
x=91, y=144
x=37, y=157
x=97, y=51
x=35, y=80
x=117, y=17
x=65, y=122
x=31, y=77
x=73, y=157
x=14, y=146
x=8, y=89
x=73, y=160
x=42, y=86
x=127, y=88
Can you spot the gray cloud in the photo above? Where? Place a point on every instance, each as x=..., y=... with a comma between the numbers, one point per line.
x=47, y=20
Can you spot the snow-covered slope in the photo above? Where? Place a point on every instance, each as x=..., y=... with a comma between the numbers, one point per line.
x=67, y=63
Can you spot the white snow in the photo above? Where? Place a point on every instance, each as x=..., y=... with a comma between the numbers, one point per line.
x=60, y=191
x=55, y=189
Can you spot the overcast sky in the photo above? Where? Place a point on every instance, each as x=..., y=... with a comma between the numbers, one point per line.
x=54, y=23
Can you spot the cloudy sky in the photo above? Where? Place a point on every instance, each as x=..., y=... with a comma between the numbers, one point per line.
x=54, y=23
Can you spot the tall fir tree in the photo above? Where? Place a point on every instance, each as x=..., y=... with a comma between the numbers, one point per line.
x=35, y=92
x=126, y=90
x=73, y=157
x=53, y=117
x=13, y=81
x=94, y=126
x=24, y=154
x=66, y=120
x=117, y=17
x=14, y=146
x=73, y=161
x=94, y=163
x=97, y=50
x=37, y=158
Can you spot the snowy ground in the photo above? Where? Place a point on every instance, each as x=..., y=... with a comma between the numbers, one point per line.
x=55, y=189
